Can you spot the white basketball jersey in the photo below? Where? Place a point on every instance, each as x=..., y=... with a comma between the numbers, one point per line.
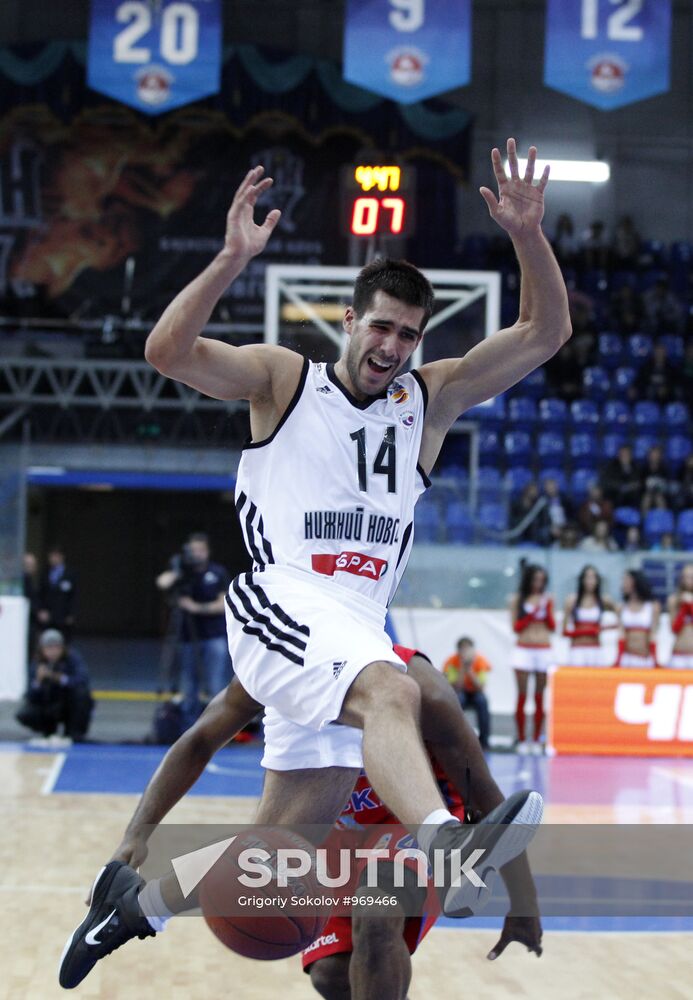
x=332, y=491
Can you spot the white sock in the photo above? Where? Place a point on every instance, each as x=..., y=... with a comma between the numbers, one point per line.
x=152, y=905
x=429, y=827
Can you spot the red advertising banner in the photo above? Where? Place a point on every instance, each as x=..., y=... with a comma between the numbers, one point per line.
x=639, y=713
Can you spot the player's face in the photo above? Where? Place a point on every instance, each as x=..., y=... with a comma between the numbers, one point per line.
x=381, y=341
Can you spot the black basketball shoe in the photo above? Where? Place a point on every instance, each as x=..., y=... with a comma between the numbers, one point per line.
x=113, y=918
x=501, y=835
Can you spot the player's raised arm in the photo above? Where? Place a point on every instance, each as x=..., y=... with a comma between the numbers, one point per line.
x=543, y=324
x=175, y=347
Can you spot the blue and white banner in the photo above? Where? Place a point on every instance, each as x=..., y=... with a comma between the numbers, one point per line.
x=407, y=50
x=608, y=53
x=155, y=54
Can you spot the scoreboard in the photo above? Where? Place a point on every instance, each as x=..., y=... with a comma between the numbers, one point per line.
x=378, y=199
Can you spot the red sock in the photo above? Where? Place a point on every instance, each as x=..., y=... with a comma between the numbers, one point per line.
x=520, y=716
x=538, y=714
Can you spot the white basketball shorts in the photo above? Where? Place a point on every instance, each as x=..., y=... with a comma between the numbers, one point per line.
x=586, y=656
x=290, y=747
x=297, y=648
x=532, y=658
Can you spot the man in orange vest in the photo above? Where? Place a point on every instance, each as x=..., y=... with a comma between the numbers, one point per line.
x=467, y=671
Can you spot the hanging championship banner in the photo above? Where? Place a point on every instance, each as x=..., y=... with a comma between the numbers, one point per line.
x=407, y=50
x=155, y=55
x=608, y=53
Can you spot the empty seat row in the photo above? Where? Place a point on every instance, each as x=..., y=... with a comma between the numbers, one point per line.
x=523, y=413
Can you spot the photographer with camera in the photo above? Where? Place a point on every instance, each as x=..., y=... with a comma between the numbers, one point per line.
x=196, y=589
x=58, y=693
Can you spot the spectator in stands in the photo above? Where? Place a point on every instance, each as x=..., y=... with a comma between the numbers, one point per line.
x=564, y=241
x=58, y=693
x=625, y=311
x=663, y=311
x=658, y=380
x=594, y=508
x=682, y=489
x=620, y=479
x=655, y=481
x=57, y=595
x=633, y=542
x=558, y=510
x=582, y=318
x=600, y=540
x=595, y=246
x=568, y=538
x=467, y=671
x=527, y=503
x=625, y=245
x=665, y=543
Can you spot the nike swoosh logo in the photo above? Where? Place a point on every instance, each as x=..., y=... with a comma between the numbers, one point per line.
x=90, y=938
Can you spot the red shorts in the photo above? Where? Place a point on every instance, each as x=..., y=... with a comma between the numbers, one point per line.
x=336, y=934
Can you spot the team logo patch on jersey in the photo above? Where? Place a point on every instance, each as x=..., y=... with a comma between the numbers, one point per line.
x=337, y=668
x=349, y=562
x=406, y=418
x=398, y=393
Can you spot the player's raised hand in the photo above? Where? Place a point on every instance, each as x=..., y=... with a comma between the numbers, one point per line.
x=244, y=238
x=520, y=202
x=524, y=930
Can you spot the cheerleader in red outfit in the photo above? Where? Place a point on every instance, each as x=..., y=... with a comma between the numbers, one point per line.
x=582, y=620
x=680, y=608
x=639, y=618
x=533, y=622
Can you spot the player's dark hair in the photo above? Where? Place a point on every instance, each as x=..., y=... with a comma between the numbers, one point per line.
x=397, y=278
x=581, y=590
x=199, y=536
x=465, y=638
x=643, y=591
x=525, y=590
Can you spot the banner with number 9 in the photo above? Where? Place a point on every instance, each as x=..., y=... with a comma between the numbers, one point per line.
x=155, y=55
x=608, y=53
x=407, y=50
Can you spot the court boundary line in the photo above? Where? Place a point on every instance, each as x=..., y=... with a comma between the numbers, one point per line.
x=53, y=774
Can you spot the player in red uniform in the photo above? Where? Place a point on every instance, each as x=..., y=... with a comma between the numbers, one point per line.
x=359, y=956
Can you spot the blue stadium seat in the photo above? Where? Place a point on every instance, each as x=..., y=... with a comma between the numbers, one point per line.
x=518, y=447
x=655, y=252
x=551, y=446
x=647, y=416
x=642, y=444
x=580, y=482
x=427, y=520
x=674, y=345
x=489, y=447
x=459, y=526
x=489, y=482
x=583, y=450
x=609, y=350
x=522, y=413
x=596, y=382
x=553, y=412
x=677, y=448
x=624, y=378
x=584, y=414
x=551, y=472
x=459, y=474
x=676, y=416
x=657, y=523
x=492, y=412
x=639, y=348
x=611, y=443
x=516, y=479
x=684, y=529
x=595, y=282
x=616, y=415
x=533, y=385
x=492, y=517
x=627, y=517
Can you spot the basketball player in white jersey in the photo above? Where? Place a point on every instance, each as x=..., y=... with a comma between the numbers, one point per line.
x=326, y=492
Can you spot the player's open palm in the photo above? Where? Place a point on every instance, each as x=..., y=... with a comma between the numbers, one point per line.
x=520, y=203
x=244, y=238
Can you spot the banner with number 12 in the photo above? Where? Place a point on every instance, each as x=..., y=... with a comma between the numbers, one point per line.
x=155, y=55
x=407, y=50
x=608, y=53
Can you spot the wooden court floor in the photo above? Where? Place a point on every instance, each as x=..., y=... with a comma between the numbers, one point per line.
x=52, y=846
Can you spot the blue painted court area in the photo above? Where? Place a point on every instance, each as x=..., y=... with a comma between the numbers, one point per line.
x=125, y=770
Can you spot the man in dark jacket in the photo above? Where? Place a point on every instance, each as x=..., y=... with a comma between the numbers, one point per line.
x=58, y=692
x=57, y=597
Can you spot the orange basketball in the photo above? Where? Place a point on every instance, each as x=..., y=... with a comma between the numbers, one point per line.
x=252, y=921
